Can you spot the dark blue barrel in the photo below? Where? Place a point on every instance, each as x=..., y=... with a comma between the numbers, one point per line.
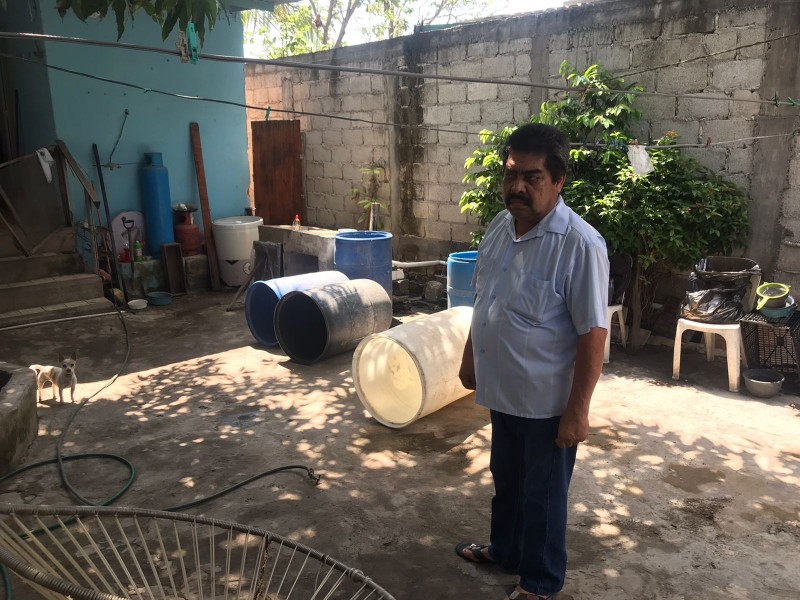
x=460, y=268
x=156, y=202
x=365, y=255
x=263, y=296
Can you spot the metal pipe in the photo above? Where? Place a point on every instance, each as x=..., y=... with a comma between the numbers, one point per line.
x=413, y=265
x=10, y=327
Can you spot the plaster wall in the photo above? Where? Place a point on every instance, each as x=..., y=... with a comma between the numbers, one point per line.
x=35, y=116
x=643, y=41
x=87, y=111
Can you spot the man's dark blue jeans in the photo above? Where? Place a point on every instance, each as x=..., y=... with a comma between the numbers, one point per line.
x=529, y=510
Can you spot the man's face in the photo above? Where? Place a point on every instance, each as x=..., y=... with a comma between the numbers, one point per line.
x=529, y=191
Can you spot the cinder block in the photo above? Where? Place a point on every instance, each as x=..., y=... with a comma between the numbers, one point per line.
x=437, y=231
x=313, y=137
x=450, y=93
x=707, y=107
x=738, y=74
x=745, y=109
x=452, y=139
x=332, y=170
x=483, y=49
x=497, y=112
x=320, y=154
x=655, y=52
x=687, y=78
x=352, y=137
x=522, y=66
x=790, y=203
x=740, y=179
x=561, y=41
x=703, y=23
x=752, y=35
x=344, y=187
x=726, y=129
x=462, y=233
x=522, y=112
x=555, y=59
x=593, y=37
x=656, y=107
x=326, y=218
x=466, y=68
x=424, y=210
x=362, y=155
x=466, y=113
x=332, y=137
x=497, y=67
x=688, y=131
x=420, y=172
x=352, y=103
x=437, y=155
x=451, y=213
x=449, y=174
x=515, y=46
x=437, y=193
x=373, y=102
x=794, y=172
x=637, y=31
x=452, y=54
x=317, y=187
x=481, y=91
x=436, y=115
x=314, y=169
x=740, y=160
x=713, y=158
x=359, y=84
x=614, y=58
x=703, y=45
x=789, y=257
x=743, y=18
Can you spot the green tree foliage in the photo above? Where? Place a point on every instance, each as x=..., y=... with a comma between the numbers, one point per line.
x=167, y=13
x=315, y=25
x=673, y=216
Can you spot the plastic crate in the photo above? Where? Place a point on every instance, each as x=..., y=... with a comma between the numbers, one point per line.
x=772, y=344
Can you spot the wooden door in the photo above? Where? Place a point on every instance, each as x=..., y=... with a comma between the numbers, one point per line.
x=277, y=172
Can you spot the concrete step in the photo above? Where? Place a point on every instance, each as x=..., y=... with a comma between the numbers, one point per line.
x=62, y=240
x=49, y=291
x=38, y=266
x=56, y=311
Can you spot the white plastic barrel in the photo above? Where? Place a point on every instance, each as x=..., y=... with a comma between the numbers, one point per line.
x=411, y=370
x=233, y=238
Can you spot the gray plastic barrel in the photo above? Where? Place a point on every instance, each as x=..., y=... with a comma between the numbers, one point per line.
x=263, y=296
x=320, y=322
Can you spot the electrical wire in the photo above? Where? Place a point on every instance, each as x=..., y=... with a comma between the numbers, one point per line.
x=367, y=71
x=328, y=116
x=119, y=137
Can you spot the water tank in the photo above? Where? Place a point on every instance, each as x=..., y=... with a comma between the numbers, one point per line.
x=365, y=255
x=154, y=179
x=460, y=269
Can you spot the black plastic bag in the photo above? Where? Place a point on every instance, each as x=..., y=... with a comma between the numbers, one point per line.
x=716, y=289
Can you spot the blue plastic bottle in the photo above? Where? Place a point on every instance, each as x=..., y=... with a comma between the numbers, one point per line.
x=156, y=203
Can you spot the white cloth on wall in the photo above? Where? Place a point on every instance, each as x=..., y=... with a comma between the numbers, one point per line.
x=45, y=159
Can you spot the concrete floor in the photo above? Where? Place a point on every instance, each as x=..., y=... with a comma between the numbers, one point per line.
x=683, y=490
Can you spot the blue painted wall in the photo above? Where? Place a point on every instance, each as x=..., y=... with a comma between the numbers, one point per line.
x=87, y=111
x=36, y=126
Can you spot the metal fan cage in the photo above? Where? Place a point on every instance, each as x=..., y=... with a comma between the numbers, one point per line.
x=94, y=553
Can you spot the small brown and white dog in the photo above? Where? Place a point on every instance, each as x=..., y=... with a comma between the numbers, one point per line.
x=59, y=377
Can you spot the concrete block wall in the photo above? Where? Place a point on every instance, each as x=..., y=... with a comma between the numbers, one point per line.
x=424, y=164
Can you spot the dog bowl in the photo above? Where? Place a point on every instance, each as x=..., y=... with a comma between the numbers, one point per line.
x=159, y=298
x=763, y=383
x=137, y=304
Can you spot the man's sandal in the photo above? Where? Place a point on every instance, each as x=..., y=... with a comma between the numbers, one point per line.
x=476, y=551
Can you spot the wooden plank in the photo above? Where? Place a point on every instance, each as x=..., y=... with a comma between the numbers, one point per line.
x=205, y=210
x=277, y=172
x=174, y=270
x=61, y=169
x=73, y=164
x=19, y=237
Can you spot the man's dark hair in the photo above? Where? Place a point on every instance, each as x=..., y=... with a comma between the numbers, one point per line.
x=537, y=138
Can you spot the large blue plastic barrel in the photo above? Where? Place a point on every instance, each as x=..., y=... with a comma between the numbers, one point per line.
x=460, y=268
x=365, y=255
x=263, y=296
x=156, y=201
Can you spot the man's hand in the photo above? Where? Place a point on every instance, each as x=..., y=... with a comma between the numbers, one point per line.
x=467, y=374
x=467, y=371
x=572, y=430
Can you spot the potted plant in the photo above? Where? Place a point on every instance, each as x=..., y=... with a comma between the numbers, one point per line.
x=366, y=196
x=670, y=217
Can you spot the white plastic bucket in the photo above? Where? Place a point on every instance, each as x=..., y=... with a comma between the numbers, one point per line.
x=411, y=370
x=233, y=238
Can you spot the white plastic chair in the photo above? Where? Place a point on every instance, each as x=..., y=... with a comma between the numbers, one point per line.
x=615, y=309
x=730, y=332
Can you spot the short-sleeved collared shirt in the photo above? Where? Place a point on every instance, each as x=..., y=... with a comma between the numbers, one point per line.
x=534, y=296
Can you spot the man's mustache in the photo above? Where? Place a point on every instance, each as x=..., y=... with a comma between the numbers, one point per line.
x=520, y=197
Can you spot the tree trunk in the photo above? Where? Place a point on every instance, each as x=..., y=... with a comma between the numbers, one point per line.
x=635, y=334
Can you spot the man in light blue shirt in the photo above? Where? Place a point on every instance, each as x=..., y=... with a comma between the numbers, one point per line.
x=534, y=356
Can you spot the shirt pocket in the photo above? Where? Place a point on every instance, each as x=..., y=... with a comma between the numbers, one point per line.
x=536, y=299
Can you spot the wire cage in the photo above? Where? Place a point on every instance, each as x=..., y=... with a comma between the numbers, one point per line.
x=94, y=553
x=772, y=343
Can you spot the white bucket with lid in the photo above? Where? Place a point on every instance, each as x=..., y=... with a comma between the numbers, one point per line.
x=234, y=237
x=411, y=370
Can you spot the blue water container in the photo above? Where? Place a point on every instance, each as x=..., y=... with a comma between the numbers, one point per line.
x=460, y=268
x=364, y=255
x=156, y=203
